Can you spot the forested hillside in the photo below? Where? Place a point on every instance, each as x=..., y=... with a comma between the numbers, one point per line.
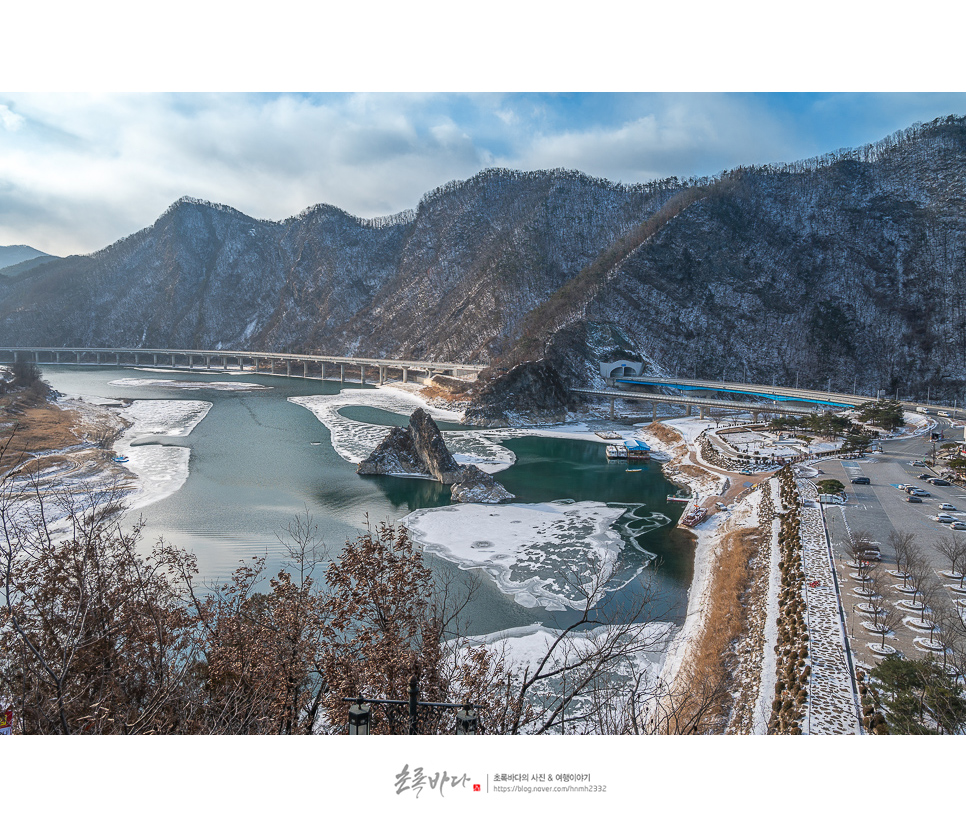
x=848, y=267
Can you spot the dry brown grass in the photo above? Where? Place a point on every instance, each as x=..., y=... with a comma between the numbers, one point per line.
x=436, y=392
x=704, y=683
x=664, y=434
x=38, y=428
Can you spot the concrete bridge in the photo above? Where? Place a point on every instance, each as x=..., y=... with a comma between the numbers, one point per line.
x=624, y=382
x=704, y=404
x=312, y=366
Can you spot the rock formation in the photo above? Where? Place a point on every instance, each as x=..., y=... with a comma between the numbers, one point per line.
x=419, y=450
x=478, y=487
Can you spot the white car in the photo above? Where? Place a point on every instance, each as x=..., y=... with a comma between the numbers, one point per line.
x=949, y=507
x=958, y=525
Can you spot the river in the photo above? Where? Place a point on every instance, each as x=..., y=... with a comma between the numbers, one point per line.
x=257, y=460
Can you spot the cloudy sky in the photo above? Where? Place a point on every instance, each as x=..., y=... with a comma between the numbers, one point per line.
x=80, y=170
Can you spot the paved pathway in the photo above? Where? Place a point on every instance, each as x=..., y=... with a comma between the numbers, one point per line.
x=831, y=700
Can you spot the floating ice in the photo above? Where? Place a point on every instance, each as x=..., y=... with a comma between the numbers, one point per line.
x=354, y=441
x=161, y=470
x=546, y=555
x=526, y=647
x=188, y=384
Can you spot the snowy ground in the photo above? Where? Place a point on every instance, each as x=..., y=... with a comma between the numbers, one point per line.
x=831, y=701
x=709, y=536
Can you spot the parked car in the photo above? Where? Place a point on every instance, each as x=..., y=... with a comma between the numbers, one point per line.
x=944, y=518
x=861, y=480
x=947, y=507
x=914, y=499
x=938, y=482
x=924, y=476
x=958, y=525
x=922, y=493
x=917, y=463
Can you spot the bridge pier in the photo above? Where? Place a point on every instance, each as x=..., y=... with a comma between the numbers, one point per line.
x=305, y=369
x=288, y=367
x=702, y=412
x=405, y=374
x=653, y=412
x=341, y=373
x=687, y=411
x=208, y=362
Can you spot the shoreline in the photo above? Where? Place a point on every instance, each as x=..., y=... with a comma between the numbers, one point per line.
x=680, y=465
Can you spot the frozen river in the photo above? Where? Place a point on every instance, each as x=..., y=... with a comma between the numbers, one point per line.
x=229, y=459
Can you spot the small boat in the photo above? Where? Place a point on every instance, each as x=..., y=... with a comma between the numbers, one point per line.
x=694, y=517
x=120, y=459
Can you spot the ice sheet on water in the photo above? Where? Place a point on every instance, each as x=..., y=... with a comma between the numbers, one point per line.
x=527, y=646
x=530, y=550
x=188, y=385
x=354, y=441
x=169, y=418
x=161, y=470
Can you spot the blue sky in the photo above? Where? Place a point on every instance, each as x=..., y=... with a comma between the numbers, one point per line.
x=80, y=170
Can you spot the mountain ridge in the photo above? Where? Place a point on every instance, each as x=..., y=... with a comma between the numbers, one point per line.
x=849, y=266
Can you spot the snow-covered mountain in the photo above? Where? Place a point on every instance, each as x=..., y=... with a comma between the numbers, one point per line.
x=850, y=266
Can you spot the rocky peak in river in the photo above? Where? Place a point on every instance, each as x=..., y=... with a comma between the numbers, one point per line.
x=419, y=449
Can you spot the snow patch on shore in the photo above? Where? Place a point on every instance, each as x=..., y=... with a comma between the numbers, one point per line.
x=530, y=550
x=709, y=536
x=354, y=441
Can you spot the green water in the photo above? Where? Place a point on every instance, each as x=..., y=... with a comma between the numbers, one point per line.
x=257, y=460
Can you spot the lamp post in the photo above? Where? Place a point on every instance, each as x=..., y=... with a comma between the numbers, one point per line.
x=360, y=713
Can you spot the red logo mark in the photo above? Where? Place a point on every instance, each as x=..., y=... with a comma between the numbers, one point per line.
x=476, y=787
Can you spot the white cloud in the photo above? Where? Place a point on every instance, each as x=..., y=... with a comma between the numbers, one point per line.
x=79, y=171
x=10, y=120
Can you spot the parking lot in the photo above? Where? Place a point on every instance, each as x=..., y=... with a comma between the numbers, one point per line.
x=878, y=509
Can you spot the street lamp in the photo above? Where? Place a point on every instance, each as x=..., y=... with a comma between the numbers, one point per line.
x=466, y=720
x=359, y=715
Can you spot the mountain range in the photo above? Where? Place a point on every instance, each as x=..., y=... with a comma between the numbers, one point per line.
x=844, y=270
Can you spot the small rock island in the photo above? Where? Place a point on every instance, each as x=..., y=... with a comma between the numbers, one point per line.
x=419, y=451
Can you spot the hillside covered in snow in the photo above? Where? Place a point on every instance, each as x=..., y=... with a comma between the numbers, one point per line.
x=848, y=267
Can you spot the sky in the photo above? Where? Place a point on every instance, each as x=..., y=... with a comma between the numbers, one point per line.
x=80, y=170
